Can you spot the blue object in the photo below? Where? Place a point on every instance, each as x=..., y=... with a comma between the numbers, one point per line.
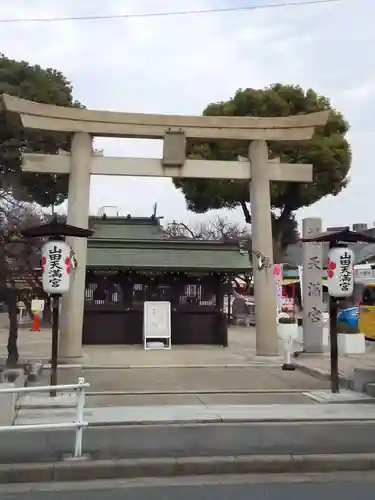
x=349, y=316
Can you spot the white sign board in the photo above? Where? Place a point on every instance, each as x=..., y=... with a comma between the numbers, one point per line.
x=363, y=273
x=37, y=306
x=157, y=322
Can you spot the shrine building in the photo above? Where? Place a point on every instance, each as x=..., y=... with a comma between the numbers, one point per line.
x=131, y=260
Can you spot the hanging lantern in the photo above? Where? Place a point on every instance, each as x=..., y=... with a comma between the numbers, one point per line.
x=340, y=272
x=56, y=267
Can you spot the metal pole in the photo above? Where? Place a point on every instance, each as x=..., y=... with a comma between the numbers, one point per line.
x=335, y=381
x=333, y=310
x=55, y=341
x=79, y=417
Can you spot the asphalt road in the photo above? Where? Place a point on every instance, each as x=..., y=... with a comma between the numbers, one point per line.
x=191, y=440
x=334, y=487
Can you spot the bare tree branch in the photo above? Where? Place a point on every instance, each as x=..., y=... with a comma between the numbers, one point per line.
x=219, y=229
x=17, y=259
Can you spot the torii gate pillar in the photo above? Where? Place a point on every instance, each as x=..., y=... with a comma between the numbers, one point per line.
x=261, y=231
x=70, y=345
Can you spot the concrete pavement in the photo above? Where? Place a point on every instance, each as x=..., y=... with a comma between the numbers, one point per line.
x=109, y=368
x=192, y=440
x=182, y=414
x=260, y=487
x=95, y=400
x=158, y=380
x=241, y=350
x=318, y=365
x=335, y=486
x=199, y=399
x=86, y=470
x=234, y=381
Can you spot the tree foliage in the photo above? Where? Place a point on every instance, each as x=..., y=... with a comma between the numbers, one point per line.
x=328, y=152
x=47, y=86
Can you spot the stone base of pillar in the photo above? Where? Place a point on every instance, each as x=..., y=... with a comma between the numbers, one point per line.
x=267, y=352
x=76, y=360
x=69, y=373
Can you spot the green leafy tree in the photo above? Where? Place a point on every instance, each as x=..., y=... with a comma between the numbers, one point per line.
x=328, y=152
x=48, y=86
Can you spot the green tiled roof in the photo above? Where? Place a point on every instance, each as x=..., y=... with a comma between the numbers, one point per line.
x=178, y=255
x=123, y=228
x=140, y=243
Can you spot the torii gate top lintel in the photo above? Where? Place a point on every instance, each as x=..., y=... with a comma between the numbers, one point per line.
x=33, y=115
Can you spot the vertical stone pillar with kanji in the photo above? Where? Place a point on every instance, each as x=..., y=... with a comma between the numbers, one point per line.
x=312, y=293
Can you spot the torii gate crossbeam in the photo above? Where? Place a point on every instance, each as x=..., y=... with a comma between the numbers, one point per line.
x=153, y=167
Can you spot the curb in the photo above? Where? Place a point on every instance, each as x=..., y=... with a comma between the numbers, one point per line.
x=251, y=364
x=194, y=392
x=323, y=375
x=88, y=367
x=244, y=366
x=226, y=420
x=85, y=469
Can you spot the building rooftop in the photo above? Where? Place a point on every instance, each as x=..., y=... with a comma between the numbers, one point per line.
x=140, y=243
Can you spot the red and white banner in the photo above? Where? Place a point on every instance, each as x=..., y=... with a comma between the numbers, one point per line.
x=278, y=274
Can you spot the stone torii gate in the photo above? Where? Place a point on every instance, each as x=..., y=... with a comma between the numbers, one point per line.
x=174, y=130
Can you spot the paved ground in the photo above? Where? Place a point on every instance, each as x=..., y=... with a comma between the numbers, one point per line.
x=37, y=345
x=190, y=369
x=191, y=379
x=191, y=386
x=198, y=399
x=308, y=487
x=192, y=440
x=182, y=414
x=320, y=363
x=240, y=353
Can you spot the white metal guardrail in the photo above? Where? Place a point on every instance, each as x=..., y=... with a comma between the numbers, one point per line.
x=78, y=424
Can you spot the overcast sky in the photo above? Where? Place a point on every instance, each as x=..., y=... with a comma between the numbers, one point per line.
x=178, y=64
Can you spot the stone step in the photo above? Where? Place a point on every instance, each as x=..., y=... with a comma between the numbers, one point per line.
x=7, y=401
x=370, y=389
x=362, y=377
x=46, y=402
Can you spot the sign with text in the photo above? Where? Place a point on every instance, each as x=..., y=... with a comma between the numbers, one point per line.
x=312, y=293
x=340, y=272
x=56, y=267
x=157, y=322
x=278, y=274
